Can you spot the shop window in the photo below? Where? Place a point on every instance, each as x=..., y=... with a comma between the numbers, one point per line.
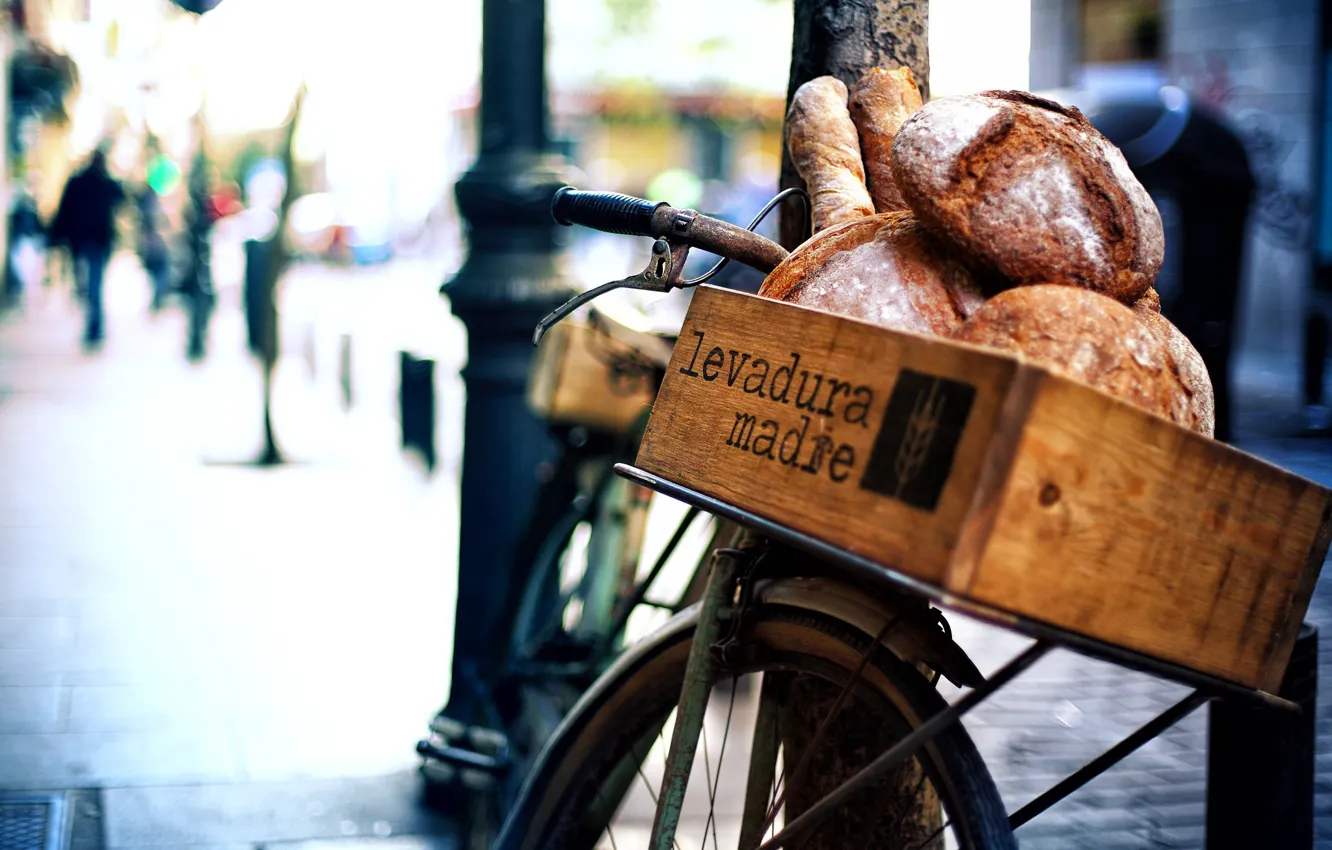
x=1120, y=31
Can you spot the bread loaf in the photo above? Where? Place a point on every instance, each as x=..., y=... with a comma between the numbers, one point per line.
x=1091, y=339
x=1032, y=190
x=1150, y=301
x=823, y=145
x=1196, y=408
x=880, y=102
x=884, y=269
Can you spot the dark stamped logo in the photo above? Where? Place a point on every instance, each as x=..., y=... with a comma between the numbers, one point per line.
x=913, y=453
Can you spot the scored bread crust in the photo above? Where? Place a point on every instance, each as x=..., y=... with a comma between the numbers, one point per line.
x=1091, y=339
x=826, y=152
x=884, y=269
x=880, y=101
x=1029, y=188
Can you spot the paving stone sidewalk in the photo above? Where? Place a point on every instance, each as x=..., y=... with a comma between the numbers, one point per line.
x=233, y=656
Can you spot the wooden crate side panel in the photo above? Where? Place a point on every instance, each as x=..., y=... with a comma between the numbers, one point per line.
x=992, y=482
x=838, y=466
x=574, y=381
x=1118, y=526
x=545, y=374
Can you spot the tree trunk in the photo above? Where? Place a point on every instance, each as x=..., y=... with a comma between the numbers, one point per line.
x=845, y=38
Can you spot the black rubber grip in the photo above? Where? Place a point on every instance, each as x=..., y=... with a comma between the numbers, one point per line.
x=609, y=212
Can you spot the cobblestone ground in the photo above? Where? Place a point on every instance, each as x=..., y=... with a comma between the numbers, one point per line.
x=1068, y=709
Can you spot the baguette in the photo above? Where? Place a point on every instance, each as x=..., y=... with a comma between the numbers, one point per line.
x=880, y=102
x=822, y=140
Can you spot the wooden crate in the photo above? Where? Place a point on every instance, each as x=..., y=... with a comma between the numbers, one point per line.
x=572, y=381
x=994, y=480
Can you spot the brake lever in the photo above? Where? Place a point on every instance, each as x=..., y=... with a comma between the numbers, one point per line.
x=661, y=275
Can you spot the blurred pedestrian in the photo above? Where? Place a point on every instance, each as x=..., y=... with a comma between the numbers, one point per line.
x=85, y=221
x=27, y=246
x=153, y=252
x=197, y=284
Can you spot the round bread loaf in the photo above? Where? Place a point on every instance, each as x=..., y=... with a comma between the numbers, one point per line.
x=1199, y=410
x=1149, y=302
x=1028, y=187
x=1091, y=339
x=883, y=268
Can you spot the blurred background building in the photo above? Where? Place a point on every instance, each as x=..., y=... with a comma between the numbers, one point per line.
x=388, y=125
x=1262, y=66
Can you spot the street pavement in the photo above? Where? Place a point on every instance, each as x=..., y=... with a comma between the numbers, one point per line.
x=240, y=656
x=232, y=654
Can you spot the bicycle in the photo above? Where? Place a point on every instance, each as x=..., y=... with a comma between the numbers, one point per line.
x=843, y=716
x=580, y=579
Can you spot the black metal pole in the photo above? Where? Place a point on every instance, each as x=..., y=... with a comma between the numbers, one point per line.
x=1260, y=763
x=512, y=277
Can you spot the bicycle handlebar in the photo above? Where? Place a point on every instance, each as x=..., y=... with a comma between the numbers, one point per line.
x=609, y=212
x=612, y=212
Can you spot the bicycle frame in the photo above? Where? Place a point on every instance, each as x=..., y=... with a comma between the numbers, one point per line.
x=724, y=601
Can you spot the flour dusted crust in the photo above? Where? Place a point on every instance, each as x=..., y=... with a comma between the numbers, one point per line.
x=880, y=102
x=1029, y=188
x=883, y=269
x=826, y=152
x=1092, y=339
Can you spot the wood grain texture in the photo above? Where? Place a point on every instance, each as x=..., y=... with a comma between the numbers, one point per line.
x=1058, y=503
x=1122, y=527
x=694, y=418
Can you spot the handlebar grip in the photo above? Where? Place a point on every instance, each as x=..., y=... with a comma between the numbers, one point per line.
x=609, y=212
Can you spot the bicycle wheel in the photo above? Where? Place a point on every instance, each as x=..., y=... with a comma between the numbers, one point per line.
x=596, y=783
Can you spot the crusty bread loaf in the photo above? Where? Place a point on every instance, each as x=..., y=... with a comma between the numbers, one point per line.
x=1031, y=189
x=1196, y=408
x=880, y=101
x=1092, y=339
x=884, y=269
x=1150, y=301
x=826, y=153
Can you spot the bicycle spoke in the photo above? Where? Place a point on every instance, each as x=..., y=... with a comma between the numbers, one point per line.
x=610, y=833
x=648, y=785
x=928, y=841
x=721, y=759
x=694, y=694
x=915, y=796
x=807, y=755
x=707, y=768
x=759, y=788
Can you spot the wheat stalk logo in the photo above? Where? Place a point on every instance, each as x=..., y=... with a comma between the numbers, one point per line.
x=921, y=427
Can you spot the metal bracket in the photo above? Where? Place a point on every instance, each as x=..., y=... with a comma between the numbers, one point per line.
x=661, y=275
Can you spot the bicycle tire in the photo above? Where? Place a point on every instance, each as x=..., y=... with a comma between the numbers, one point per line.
x=616, y=714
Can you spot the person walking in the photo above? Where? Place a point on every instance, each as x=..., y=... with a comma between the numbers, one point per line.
x=154, y=255
x=85, y=221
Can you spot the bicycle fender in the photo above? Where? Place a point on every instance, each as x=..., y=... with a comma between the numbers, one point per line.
x=916, y=637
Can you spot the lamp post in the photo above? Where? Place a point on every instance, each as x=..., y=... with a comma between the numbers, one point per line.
x=512, y=277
